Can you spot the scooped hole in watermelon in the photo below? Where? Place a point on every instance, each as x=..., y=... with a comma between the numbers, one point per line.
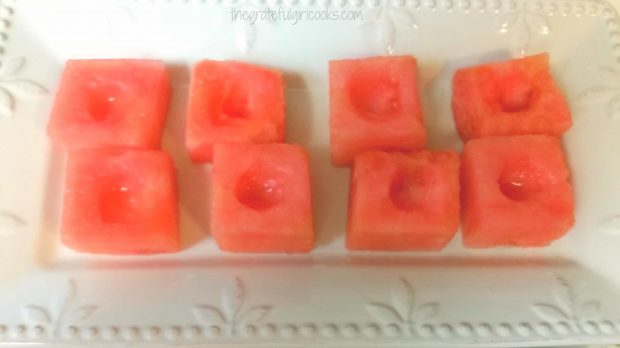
x=374, y=97
x=235, y=102
x=515, y=94
x=259, y=188
x=103, y=103
x=116, y=199
x=522, y=180
x=408, y=189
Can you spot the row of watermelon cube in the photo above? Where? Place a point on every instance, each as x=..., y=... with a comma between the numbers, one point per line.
x=374, y=105
x=124, y=103
x=125, y=200
x=509, y=190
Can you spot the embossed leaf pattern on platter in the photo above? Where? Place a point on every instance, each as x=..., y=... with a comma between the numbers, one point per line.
x=566, y=307
x=608, y=91
x=232, y=312
x=522, y=24
x=9, y=223
x=12, y=86
x=385, y=19
x=61, y=312
x=402, y=306
x=121, y=21
x=244, y=31
x=245, y=35
x=403, y=309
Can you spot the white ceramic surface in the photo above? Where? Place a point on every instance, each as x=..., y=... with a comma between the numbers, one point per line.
x=565, y=293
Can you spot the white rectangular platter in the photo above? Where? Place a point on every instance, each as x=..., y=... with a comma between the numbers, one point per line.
x=567, y=293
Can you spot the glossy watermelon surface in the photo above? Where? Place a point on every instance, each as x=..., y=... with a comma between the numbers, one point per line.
x=111, y=102
x=233, y=102
x=403, y=201
x=120, y=201
x=374, y=105
x=514, y=97
x=261, y=198
x=516, y=191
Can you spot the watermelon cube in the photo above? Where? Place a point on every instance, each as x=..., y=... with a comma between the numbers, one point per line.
x=516, y=191
x=374, y=105
x=233, y=102
x=403, y=201
x=513, y=97
x=261, y=198
x=110, y=102
x=120, y=201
